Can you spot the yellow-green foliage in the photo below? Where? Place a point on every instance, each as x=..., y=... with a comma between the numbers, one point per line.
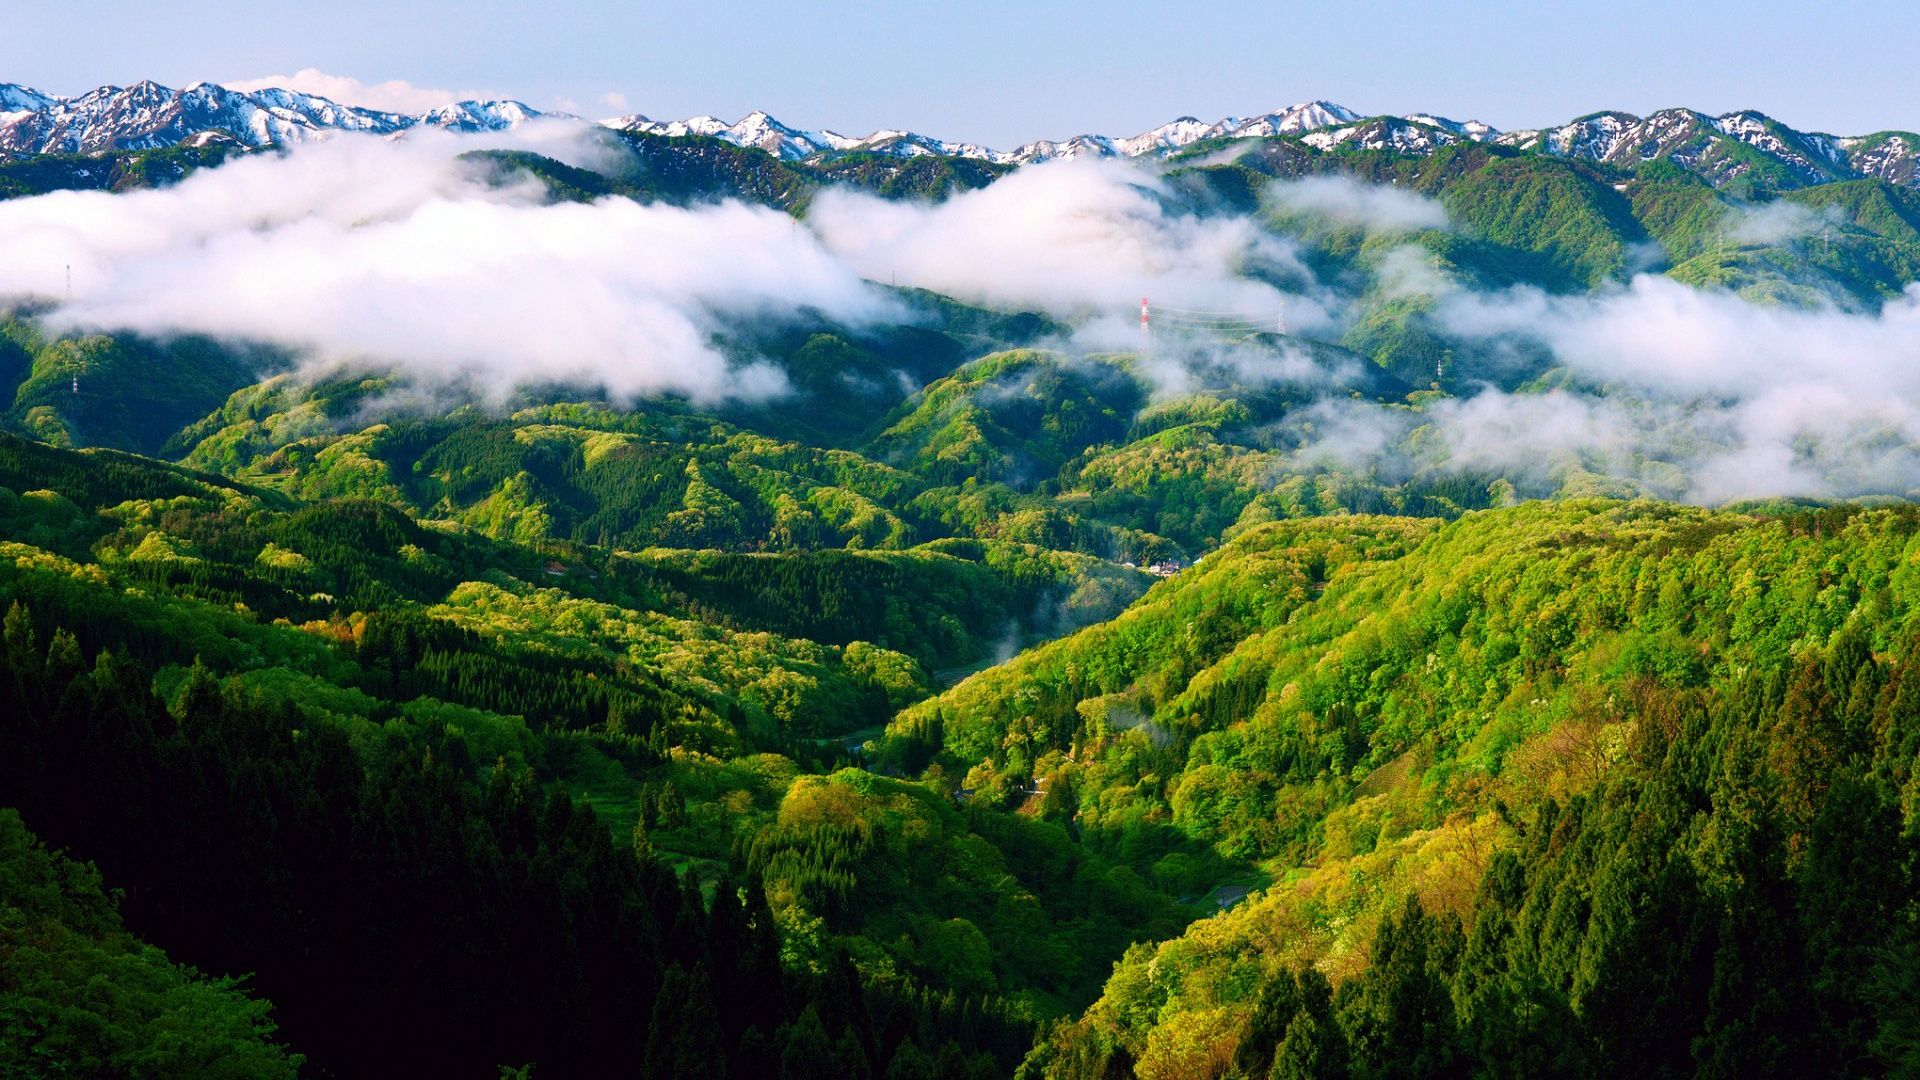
x=512, y=512
x=283, y=558
x=327, y=468
x=800, y=685
x=911, y=884
x=1377, y=740
x=158, y=547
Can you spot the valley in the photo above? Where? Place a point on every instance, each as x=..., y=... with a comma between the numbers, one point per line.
x=488, y=594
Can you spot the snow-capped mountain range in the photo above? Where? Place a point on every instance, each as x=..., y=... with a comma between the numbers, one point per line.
x=147, y=115
x=797, y=144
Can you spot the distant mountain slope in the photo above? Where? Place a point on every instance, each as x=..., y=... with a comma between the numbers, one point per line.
x=761, y=130
x=147, y=115
x=1747, y=151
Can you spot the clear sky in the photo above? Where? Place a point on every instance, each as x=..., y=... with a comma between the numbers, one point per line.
x=1004, y=71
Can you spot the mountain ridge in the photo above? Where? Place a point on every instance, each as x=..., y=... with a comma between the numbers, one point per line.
x=147, y=115
x=1744, y=147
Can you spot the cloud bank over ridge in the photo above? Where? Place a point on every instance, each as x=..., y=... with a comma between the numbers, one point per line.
x=402, y=254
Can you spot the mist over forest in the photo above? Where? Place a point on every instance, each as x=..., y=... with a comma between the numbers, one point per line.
x=491, y=594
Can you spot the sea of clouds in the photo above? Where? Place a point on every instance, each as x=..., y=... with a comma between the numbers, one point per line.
x=404, y=254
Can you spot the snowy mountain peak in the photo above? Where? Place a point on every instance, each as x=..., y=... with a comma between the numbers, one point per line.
x=1404, y=135
x=1313, y=114
x=1292, y=120
x=16, y=98
x=1705, y=145
x=759, y=129
x=1168, y=137
x=1471, y=129
x=148, y=115
x=478, y=116
x=1721, y=149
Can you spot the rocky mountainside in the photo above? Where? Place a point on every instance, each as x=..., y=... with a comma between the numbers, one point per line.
x=147, y=115
x=1741, y=149
x=1720, y=148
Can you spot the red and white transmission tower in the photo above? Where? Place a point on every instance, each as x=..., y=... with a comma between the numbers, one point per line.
x=1146, y=328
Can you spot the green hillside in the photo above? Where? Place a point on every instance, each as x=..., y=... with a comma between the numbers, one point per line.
x=1518, y=724
x=1018, y=694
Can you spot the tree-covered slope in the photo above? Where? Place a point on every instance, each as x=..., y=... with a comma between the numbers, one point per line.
x=1000, y=691
x=191, y=658
x=1420, y=724
x=115, y=390
x=1466, y=769
x=80, y=995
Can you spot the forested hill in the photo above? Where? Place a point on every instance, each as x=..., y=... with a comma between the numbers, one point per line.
x=1471, y=772
x=472, y=804
x=1566, y=789
x=728, y=614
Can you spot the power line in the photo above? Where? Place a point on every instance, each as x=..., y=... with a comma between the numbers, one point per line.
x=1223, y=328
x=1215, y=320
x=1199, y=311
x=1219, y=322
x=1180, y=320
x=1255, y=316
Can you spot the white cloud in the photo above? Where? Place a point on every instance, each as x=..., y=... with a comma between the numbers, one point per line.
x=1778, y=222
x=1179, y=366
x=394, y=95
x=1664, y=337
x=1072, y=238
x=361, y=249
x=1686, y=393
x=1347, y=201
x=1410, y=270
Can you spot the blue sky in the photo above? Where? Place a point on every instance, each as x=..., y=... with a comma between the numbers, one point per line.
x=1003, y=72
